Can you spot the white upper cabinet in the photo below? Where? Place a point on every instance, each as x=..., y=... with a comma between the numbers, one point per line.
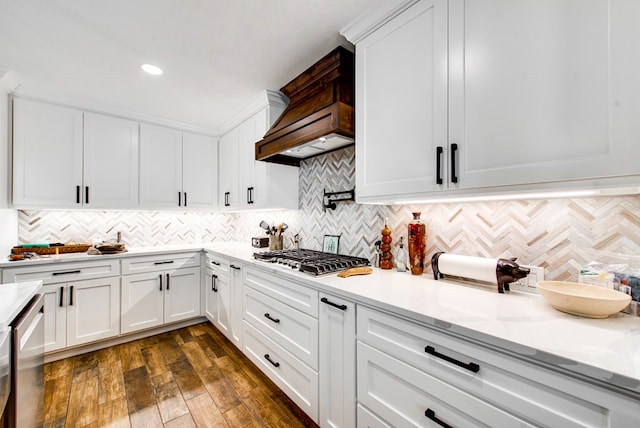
x=177, y=169
x=474, y=97
x=66, y=158
x=249, y=184
x=110, y=162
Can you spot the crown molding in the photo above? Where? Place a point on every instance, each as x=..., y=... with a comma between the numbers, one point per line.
x=373, y=18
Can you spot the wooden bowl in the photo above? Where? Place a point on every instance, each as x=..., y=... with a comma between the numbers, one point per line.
x=584, y=300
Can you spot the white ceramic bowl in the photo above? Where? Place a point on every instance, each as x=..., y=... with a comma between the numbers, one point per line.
x=584, y=300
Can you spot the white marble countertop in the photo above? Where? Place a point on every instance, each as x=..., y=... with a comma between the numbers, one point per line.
x=519, y=323
x=14, y=297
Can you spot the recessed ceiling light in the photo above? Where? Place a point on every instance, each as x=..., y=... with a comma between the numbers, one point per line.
x=152, y=69
x=322, y=139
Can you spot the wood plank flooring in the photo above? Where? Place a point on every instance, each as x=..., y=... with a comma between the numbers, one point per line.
x=192, y=377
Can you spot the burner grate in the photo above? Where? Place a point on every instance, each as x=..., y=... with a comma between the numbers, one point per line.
x=311, y=261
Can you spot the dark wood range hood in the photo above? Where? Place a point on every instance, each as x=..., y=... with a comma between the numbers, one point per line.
x=320, y=115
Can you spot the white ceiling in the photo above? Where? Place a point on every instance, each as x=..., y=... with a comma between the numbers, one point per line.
x=218, y=55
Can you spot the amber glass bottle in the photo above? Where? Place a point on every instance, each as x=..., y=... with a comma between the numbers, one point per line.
x=417, y=244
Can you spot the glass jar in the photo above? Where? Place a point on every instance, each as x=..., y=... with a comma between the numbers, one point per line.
x=417, y=244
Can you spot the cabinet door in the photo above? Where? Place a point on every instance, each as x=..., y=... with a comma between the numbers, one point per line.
x=160, y=167
x=228, y=169
x=93, y=312
x=199, y=171
x=223, y=317
x=110, y=162
x=249, y=132
x=182, y=295
x=337, y=362
x=401, y=99
x=47, y=155
x=210, y=284
x=55, y=317
x=541, y=90
x=142, y=301
x=236, y=314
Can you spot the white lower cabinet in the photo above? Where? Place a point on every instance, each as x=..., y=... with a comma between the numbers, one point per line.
x=81, y=300
x=217, y=287
x=410, y=374
x=281, y=335
x=156, y=298
x=337, y=355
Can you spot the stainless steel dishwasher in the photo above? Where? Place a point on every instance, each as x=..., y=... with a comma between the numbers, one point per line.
x=26, y=400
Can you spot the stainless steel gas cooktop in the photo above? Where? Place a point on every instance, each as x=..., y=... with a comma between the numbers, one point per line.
x=312, y=262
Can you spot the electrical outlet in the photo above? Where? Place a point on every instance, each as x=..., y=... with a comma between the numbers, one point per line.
x=529, y=282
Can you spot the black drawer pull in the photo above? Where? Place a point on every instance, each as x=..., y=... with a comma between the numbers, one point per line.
x=71, y=296
x=235, y=267
x=160, y=276
x=61, y=296
x=168, y=286
x=179, y=199
x=77, y=194
x=439, y=152
x=66, y=272
x=215, y=262
x=226, y=199
x=473, y=367
x=86, y=194
x=432, y=415
x=213, y=283
x=266, y=357
x=335, y=305
x=185, y=199
x=164, y=263
x=269, y=317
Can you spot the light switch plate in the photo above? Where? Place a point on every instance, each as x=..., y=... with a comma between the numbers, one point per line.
x=528, y=283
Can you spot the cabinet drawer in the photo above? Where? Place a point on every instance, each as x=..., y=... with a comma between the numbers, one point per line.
x=402, y=394
x=155, y=263
x=293, y=330
x=298, y=381
x=219, y=265
x=528, y=390
x=366, y=419
x=289, y=292
x=56, y=273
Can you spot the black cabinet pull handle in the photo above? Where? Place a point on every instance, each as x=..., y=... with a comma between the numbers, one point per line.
x=71, y=296
x=168, y=284
x=335, y=305
x=215, y=262
x=249, y=195
x=77, y=194
x=66, y=272
x=235, y=267
x=432, y=415
x=185, y=199
x=168, y=262
x=160, y=276
x=266, y=357
x=454, y=176
x=472, y=367
x=86, y=194
x=179, y=199
x=226, y=199
x=213, y=283
x=269, y=317
x=439, y=152
x=61, y=296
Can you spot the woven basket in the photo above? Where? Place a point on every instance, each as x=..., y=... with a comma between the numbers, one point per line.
x=68, y=248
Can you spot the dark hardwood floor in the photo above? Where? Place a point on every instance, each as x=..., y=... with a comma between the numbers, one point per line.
x=185, y=378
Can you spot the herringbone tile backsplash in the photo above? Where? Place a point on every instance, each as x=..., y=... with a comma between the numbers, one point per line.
x=558, y=234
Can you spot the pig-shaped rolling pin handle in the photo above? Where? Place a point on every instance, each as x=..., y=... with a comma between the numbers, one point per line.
x=498, y=271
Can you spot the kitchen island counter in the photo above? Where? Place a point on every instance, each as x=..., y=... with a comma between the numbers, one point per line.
x=14, y=297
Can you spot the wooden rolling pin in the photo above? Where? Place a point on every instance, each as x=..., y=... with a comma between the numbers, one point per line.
x=355, y=271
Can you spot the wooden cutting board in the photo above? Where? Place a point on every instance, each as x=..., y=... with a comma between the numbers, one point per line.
x=355, y=271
